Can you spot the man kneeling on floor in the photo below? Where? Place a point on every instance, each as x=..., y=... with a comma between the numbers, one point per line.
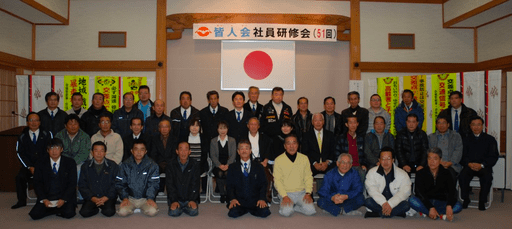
x=97, y=183
x=182, y=181
x=342, y=191
x=388, y=188
x=246, y=185
x=137, y=182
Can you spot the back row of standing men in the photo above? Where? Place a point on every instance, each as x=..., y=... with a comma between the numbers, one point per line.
x=328, y=132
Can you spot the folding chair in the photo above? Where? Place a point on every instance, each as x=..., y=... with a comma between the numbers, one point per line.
x=475, y=184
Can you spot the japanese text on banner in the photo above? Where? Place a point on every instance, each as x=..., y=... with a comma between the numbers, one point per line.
x=442, y=86
x=109, y=87
x=132, y=84
x=74, y=84
x=418, y=85
x=387, y=88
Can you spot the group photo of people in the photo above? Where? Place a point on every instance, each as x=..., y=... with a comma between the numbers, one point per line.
x=253, y=155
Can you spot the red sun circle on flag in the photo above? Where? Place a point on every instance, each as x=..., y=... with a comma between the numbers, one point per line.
x=258, y=65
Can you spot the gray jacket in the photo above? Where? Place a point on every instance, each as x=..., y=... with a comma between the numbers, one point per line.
x=372, y=115
x=138, y=181
x=455, y=146
x=214, y=151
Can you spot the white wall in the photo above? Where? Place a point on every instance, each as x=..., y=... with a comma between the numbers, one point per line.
x=494, y=40
x=259, y=6
x=433, y=43
x=58, y=6
x=79, y=40
x=194, y=65
x=455, y=8
x=15, y=36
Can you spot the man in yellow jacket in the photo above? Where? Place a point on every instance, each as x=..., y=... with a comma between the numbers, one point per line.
x=294, y=180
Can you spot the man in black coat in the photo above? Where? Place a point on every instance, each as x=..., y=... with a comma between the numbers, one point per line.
x=123, y=116
x=246, y=185
x=163, y=149
x=52, y=117
x=411, y=146
x=151, y=123
x=136, y=125
x=181, y=115
x=182, y=181
x=91, y=117
x=480, y=153
x=55, y=184
x=211, y=115
x=97, y=183
x=355, y=110
x=274, y=112
x=238, y=118
x=332, y=119
x=322, y=158
x=302, y=119
x=252, y=104
x=458, y=115
x=31, y=147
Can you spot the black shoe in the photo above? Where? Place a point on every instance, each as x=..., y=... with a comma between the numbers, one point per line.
x=465, y=204
x=223, y=199
x=402, y=215
x=18, y=205
x=481, y=206
x=371, y=215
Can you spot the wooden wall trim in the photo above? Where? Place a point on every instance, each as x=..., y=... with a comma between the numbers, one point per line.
x=51, y=13
x=416, y=67
x=179, y=22
x=495, y=20
x=116, y=65
x=355, y=40
x=498, y=63
x=475, y=43
x=472, y=13
x=15, y=61
x=161, y=50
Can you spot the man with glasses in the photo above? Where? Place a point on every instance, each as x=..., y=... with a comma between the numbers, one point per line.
x=91, y=118
x=31, y=147
x=113, y=140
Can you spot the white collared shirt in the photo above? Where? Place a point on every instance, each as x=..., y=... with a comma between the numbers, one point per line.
x=189, y=109
x=194, y=139
x=253, y=104
x=50, y=111
x=241, y=113
x=223, y=142
x=278, y=108
x=57, y=166
x=453, y=115
x=136, y=136
x=213, y=109
x=248, y=165
x=254, y=144
x=31, y=134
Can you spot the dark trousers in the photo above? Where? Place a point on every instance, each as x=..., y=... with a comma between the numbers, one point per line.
x=240, y=210
x=399, y=209
x=220, y=179
x=465, y=177
x=24, y=175
x=89, y=208
x=40, y=211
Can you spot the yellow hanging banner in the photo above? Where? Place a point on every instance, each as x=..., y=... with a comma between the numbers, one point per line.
x=387, y=88
x=132, y=84
x=442, y=86
x=109, y=86
x=74, y=84
x=418, y=85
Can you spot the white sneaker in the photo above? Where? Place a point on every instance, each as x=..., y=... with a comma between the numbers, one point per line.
x=411, y=212
x=354, y=212
x=161, y=193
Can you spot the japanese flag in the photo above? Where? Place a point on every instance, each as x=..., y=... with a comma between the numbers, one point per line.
x=265, y=64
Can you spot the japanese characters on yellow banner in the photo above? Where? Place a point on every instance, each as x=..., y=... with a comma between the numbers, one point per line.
x=74, y=84
x=132, y=84
x=442, y=86
x=109, y=87
x=418, y=85
x=387, y=88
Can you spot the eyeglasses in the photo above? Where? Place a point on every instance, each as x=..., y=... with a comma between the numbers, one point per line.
x=33, y=120
x=375, y=100
x=104, y=122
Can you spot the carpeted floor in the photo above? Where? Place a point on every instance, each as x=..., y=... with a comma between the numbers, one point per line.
x=213, y=216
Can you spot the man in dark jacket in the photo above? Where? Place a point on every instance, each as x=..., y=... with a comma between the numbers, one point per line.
x=31, y=147
x=124, y=115
x=181, y=115
x=458, y=115
x=182, y=183
x=97, y=183
x=411, y=145
x=136, y=125
x=91, y=118
x=52, y=117
x=137, y=182
x=319, y=145
x=238, y=118
x=211, y=115
x=274, y=112
x=353, y=144
x=145, y=104
x=246, y=185
x=355, y=110
x=408, y=106
x=479, y=154
x=55, y=184
x=151, y=123
x=332, y=119
x=252, y=104
x=302, y=119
